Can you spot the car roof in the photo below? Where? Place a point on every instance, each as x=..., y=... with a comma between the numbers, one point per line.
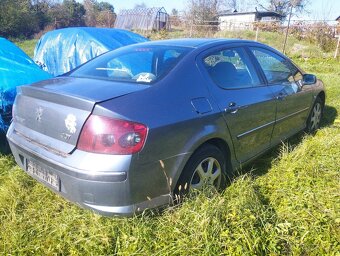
x=195, y=42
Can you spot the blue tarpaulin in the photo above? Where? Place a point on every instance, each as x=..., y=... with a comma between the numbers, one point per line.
x=62, y=50
x=16, y=68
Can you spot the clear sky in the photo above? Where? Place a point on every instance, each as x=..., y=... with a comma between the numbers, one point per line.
x=167, y=4
x=318, y=9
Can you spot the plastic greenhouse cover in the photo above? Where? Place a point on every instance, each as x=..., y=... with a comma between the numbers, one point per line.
x=62, y=50
x=16, y=68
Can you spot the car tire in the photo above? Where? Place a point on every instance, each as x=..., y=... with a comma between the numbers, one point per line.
x=206, y=167
x=314, y=118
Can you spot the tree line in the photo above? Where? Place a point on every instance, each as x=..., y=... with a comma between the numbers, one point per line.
x=201, y=11
x=24, y=18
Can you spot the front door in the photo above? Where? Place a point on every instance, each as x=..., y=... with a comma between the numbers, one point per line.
x=293, y=99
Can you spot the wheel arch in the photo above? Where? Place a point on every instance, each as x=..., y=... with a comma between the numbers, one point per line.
x=322, y=96
x=226, y=150
x=221, y=145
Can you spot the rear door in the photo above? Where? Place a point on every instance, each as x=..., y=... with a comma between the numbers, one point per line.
x=245, y=101
x=293, y=100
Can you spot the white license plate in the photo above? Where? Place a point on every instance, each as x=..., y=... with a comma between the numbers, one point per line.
x=43, y=174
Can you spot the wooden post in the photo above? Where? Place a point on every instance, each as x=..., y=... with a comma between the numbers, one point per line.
x=257, y=33
x=191, y=24
x=285, y=42
x=337, y=47
x=108, y=19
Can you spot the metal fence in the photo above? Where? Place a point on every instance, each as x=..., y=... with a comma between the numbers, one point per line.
x=322, y=33
x=301, y=26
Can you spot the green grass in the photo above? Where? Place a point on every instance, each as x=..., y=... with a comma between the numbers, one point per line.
x=27, y=46
x=286, y=203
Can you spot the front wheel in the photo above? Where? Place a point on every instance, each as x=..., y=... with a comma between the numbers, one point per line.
x=314, y=119
x=206, y=168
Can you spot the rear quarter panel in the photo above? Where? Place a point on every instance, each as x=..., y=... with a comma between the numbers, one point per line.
x=176, y=130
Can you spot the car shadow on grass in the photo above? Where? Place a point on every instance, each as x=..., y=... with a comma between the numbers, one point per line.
x=329, y=115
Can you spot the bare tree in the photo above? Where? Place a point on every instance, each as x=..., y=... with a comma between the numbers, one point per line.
x=91, y=13
x=140, y=5
x=99, y=14
x=174, y=12
x=200, y=11
x=174, y=18
x=232, y=4
x=284, y=6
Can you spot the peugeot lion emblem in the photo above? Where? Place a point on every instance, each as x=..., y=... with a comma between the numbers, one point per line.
x=71, y=123
x=38, y=113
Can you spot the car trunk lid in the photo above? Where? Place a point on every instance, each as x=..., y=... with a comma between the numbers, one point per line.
x=52, y=113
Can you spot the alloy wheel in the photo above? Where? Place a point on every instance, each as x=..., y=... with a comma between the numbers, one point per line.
x=207, y=173
x=315, y=116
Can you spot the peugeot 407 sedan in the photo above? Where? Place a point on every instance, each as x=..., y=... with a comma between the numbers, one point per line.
x=137, y=126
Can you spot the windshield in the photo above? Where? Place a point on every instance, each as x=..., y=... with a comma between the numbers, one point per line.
x=139, y=64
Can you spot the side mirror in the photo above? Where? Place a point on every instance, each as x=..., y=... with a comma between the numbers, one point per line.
x=308, y=79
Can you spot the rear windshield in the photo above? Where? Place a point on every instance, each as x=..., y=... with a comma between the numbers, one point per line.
x=139, y=64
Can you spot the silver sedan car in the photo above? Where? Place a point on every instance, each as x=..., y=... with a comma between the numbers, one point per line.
x=140, y=125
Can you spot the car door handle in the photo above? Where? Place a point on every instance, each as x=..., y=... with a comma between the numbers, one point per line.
x=281, y=96
x=233, y=108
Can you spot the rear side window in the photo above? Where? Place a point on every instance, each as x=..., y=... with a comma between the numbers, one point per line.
x=276, y=68
x=140, y=64
x=231, y=68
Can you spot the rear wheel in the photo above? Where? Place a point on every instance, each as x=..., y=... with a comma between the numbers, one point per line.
x=314, y=119
x=205, y=169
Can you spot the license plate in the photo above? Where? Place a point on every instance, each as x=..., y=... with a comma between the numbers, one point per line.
x=43, y=174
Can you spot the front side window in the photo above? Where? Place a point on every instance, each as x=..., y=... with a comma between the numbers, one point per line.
x=140, y=64
x=231, y=68
x=276, y=68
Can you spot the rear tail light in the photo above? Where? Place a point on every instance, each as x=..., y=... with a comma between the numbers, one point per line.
x=112, y=136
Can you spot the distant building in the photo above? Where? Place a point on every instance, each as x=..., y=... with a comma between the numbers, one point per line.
x=338, y=26
x=245, y=20
x=155, y=18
